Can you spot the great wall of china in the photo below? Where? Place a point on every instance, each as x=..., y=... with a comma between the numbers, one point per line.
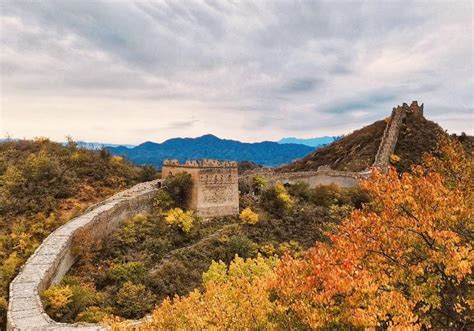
x=54, y=257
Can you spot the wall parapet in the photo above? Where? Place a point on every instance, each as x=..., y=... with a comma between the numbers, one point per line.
x=322, y=176
x=53, y=258
x=204, y=163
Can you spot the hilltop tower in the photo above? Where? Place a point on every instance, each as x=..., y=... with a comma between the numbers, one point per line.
x=215, y=190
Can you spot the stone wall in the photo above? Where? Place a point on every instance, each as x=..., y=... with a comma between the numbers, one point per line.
x=392, y=131
x=53, y=258
x=215, y=189
x=312, y=178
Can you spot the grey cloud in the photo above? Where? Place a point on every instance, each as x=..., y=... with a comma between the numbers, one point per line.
x=301, y=85
x=182, y=124
x=289, y=67
x=367, y=102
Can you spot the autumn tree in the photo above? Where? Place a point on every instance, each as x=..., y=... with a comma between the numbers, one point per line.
x=183, y=219
x=404, y=261
x=277, y=199
x=259, y=183
x=234, y=297
x=247, y=216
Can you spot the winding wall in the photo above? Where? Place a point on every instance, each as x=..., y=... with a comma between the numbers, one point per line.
x=53, y=258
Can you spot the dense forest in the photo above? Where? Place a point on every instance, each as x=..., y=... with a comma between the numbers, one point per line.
x=44, y=184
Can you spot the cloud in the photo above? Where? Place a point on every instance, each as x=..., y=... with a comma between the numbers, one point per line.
x=368, y=102
x=301, y=85
x=247, y=70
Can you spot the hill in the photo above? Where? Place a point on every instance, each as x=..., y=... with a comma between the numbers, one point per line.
x=43, y=185
x=356, y=151
x=211, y=147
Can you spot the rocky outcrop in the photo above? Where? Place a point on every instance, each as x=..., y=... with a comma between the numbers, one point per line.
x=53, y=258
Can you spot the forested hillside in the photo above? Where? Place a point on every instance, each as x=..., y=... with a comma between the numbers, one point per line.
x=211, y=147
x=43, y=185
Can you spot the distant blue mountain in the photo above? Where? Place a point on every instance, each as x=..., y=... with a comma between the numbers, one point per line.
x=313, y=142
x=211, y=147
x=96, y=145
x=83, y=144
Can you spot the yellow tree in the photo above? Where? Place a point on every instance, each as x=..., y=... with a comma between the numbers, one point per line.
x=247, y=216
x=184, y=219
x=234, y=297
x=403, y=261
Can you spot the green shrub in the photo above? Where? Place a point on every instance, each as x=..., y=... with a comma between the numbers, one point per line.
x=134, y=272
x=259, y=183
x=179, y=187
x=300, y=190
x=93, y=314
x=133, y=301
x=277, y=200
x=242, y=246
x=162, y=201
x=244, y=186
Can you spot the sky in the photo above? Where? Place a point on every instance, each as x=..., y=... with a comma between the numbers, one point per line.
x=127, y=72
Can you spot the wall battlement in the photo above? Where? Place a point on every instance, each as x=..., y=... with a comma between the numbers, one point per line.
x=204, y=163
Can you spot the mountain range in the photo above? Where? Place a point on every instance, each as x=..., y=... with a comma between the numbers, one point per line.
x=313, y=142
x=265, y=153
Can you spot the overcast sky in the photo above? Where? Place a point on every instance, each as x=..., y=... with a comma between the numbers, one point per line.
x=128, y=72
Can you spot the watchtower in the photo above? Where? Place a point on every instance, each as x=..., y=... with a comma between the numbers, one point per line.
x=215, y=190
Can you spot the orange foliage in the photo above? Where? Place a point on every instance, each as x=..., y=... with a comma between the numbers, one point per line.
x=404, y=261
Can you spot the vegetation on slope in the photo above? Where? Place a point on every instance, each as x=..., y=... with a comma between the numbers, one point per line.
x=419, y=136
x=43, y=185
x=403, y=261
x=152, y=257
x=356, y=151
